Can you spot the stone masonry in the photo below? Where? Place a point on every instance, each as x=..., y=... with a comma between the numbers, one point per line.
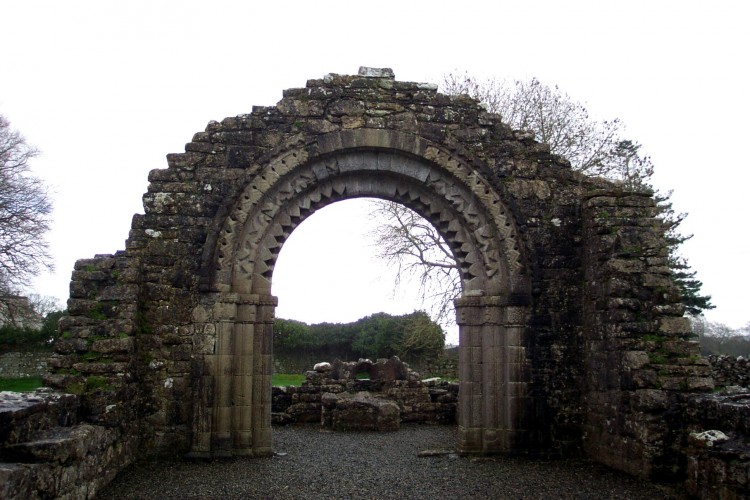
x=335, y=397
x=571, y=332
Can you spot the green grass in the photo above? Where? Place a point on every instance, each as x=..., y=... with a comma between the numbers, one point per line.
x=24, y=384
x=287, y=379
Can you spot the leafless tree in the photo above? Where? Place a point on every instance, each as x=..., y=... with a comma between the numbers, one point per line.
x=720, y=339
x=413, y=246
x=25, y=211
x=594, y=147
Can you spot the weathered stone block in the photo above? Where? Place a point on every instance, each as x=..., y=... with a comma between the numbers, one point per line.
x=362, y=411
x=109, y=346
x=674, y=326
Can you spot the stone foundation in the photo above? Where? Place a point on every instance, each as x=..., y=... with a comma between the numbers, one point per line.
x=333, y=396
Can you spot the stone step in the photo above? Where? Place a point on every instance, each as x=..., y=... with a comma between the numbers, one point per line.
x=23, y=414
x=59, y=444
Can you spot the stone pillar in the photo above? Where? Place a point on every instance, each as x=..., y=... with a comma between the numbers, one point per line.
x=233, y=396
x=493, y=400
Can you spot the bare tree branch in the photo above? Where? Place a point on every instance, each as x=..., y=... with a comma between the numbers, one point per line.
x=415, y=249
x=593, y=147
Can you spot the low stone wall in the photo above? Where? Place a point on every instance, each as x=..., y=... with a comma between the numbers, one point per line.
x=23, y=364
x=718, y=448
x=728, y=371
x=300, y=362
x=46, y=452
x=444, y=367
x=329, y=388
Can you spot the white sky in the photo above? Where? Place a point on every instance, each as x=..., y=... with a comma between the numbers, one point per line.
x=107, y=88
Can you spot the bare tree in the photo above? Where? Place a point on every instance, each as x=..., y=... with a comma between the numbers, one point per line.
x=25, y=211
x=720, y=339
x=594, y=147
x=413, y=246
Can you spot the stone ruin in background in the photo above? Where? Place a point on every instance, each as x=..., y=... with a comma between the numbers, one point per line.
x=365, y=395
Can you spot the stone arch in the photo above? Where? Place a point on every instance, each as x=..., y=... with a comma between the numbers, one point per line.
x=393, y=165
x=572, y=335
x=440, y=186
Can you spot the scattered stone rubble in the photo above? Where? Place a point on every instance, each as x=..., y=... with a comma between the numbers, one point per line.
x=365, y=395
x=718, y=452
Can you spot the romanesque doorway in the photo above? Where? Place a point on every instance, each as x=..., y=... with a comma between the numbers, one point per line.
x=469, y=215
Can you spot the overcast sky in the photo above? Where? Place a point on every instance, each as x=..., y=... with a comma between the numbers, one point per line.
x=107, y=88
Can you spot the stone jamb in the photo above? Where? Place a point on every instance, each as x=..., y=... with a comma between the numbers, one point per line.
x=493, y=370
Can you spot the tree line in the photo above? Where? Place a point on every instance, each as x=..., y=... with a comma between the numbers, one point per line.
x=720, y=339
x=39, y=335
x=381, y=335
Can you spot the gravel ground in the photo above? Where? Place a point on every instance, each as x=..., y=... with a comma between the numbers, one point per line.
x=311, y=464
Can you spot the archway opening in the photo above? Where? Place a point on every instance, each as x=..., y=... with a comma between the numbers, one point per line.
x=328, y=270
x=333, y=268
x=339, y=302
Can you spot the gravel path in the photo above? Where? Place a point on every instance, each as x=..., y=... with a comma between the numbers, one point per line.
x=311, y=464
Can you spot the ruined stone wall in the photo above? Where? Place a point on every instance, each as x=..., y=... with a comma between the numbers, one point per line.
x=640, y=356
x=567, y=288
x=326, y=390
x=444, y=367
x=718, y=444
x=175, y=238
x=95, y=356
x=728, y=370
x=47, y=452
x=23, y=364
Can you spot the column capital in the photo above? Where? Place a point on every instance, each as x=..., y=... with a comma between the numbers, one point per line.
x=253, y=299
x=490, y=310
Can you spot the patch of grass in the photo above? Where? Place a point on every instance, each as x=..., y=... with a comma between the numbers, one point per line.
x=75, y=388
x=95, y=382
x=657, y=359
x=22, y=384
x=96, y=312
x=287, y=379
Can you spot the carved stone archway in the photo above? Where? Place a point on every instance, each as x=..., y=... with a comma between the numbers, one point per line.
x=400, y=167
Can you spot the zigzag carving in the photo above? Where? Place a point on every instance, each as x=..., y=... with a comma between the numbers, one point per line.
x=455, y=199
